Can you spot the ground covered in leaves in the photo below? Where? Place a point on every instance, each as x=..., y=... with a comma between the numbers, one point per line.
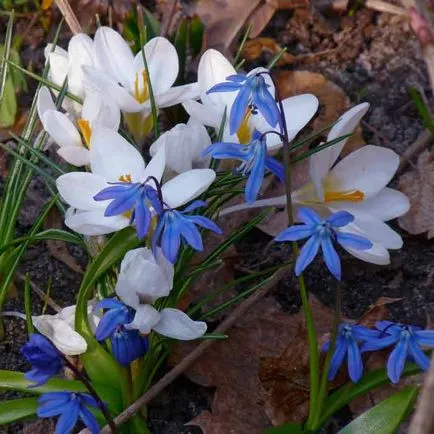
x=259, y=376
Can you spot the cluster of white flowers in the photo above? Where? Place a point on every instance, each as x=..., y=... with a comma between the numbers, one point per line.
x=116, y=90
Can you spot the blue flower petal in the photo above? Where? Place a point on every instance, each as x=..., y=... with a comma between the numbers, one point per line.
x=396, y=361
x=307, y=254
x=239, y=108
x=54, y=406
x=194, y=205
x=378, y=344
x=362, y=333
x=89, y=420
x=115, y=190
x=49, y=396
x=331, y=257
x=425, y=337
x=237, y=78
x=296, y=232
x=170, y=241
x=68, y=419
x=308, y=216
x=205, y=223
x=275, y=167
x=340, y=218
x=256, y=177
x=338, y=357
x=128, y=345
x=266, y=104
x=225, y=87
x=142, y=219
x=355, y=364
x=222, y=150
x=88, y=400
x=354, y=241
x=108, y=303
x=389, y=327
x=190, y=234
x=110, y=321
x=419, y=357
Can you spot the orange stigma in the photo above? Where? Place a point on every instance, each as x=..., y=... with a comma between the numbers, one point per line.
x=141, y=95
x=125, y=178
x=244, y=134
x=85, y=130
x=349, y=196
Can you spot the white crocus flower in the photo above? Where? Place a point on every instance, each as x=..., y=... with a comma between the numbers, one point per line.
x=122, y=75
x=357, y=184
x=184, y=145
x=60, y=330
x=74, y=138
x=114, y=160
x=142, y=280
x=213, y=69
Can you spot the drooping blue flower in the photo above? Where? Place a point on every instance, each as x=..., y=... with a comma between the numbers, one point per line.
x=44, y=358
x=134, y=198
x=117, y=314
x=128, y=345
x=176, y=226
x=408, y=341
x=254, y=162
x=253, y=94
x=322, y=233
x=347, y=345
x=70, y=406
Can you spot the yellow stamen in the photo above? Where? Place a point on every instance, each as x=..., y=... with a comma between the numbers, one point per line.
x=244, y=134
x=125, y=178
x=141, y=95
x=85, y=130
x=350, y=196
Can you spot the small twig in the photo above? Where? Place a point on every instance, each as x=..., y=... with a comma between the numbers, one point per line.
x=168, y=23
x=415, y=148
x=197, y=352
x=423, y=419
x=389, y=8
x=70, y=17
x=41, y=294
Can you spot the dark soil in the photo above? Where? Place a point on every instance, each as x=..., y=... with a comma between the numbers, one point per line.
x=378, y=64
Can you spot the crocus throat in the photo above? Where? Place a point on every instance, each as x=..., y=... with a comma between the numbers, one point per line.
x=244, y=134
x=347, y=196
x=141, y=93
x=85, y=130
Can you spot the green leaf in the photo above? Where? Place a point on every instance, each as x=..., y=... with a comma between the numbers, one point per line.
x=8, y=107
x=386, y=416
x=100, y=365
x=17, y=409
x=151, y=23
x=288, y=428
x=195, y=33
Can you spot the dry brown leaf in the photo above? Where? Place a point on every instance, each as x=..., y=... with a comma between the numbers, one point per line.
x=242, y=404
x=257, y=47
x=58, y=249
x=418, y=185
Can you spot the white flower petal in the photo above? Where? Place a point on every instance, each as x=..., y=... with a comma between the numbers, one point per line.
x=378, y=254
x=59, y=50
x=114, y=55
x=94, y=222
x=61, y=334
x=163, y=63
x=68, y=314
x=101, y=111
x=126, y=292
x=187, y=186
x=208, y=115
x=176, y=324
x=80, y=53
x=369, y=170
x=61, y=129
x=101, y=83
x=58, y=67
x=145, y=318
x=44, y=103
x=75, y=155
x=213, y=69
x=156, y=166
x=79, y=188
x=176, y=95
x=111, y=156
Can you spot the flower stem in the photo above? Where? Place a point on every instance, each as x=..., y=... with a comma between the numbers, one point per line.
x=310, y=325
x=92, y=392
x=323, y=391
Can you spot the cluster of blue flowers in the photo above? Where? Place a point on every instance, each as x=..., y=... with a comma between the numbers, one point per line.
x=126, y=344
x=355, y=340
x=173, y=226
x=46, y=362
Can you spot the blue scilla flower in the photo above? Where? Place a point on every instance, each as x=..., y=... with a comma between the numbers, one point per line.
x=322, y=233
x=253, y=94
x=70, y=406
x=132, y=199
x=128, y=345
x=44, y=358
x=176, y=226
x=347, y=345
x=254, y=162
x=408, y=341
x=117, y=314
